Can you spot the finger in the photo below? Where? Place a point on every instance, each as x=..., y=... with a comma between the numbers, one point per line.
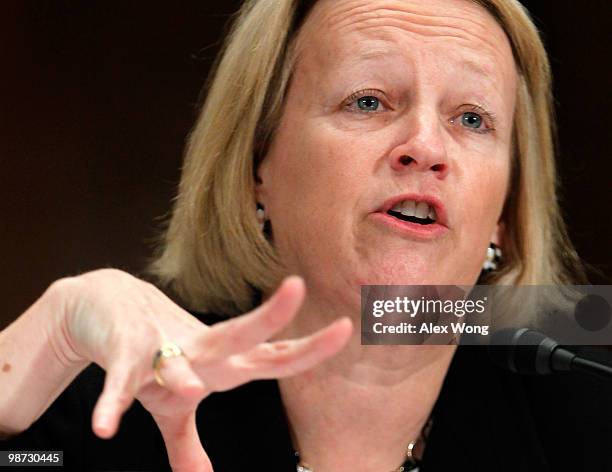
x=179, y=377
x=289, y=357
x=117, y=395
x=185, y=451
x=242, y=333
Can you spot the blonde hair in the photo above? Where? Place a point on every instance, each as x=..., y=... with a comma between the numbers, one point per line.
x=213, y=254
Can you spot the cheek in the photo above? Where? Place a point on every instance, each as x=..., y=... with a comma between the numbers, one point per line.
x=486, y=199
x=317, y=172
x=311, y=179
x=319, y=179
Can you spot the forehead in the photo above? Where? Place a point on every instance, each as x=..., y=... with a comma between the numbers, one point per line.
x=362, y=30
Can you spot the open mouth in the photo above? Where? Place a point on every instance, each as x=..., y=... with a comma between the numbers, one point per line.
x=414, y=212
x=411, y=219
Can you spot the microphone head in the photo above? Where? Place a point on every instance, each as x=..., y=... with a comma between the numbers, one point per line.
x=522, y=350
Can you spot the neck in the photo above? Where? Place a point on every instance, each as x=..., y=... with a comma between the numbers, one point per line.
x=361, y=408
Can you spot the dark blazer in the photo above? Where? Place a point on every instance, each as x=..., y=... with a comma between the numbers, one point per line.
x=485, y=419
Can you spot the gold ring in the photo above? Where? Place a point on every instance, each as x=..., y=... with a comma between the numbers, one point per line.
x=167, y=350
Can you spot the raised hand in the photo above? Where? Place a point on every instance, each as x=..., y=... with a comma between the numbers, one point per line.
x=119, y=322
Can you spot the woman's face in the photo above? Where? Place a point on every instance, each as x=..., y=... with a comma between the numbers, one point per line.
x=393, y=102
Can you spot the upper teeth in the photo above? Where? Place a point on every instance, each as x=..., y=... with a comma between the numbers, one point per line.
x=419, y=209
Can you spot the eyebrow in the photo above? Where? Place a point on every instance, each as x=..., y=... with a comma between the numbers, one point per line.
x=472, y=65
x=372, y=54
x=475, y=67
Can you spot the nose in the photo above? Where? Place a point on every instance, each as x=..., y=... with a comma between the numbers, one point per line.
x=421, y=147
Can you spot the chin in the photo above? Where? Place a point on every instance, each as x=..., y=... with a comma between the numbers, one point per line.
x=409, y=271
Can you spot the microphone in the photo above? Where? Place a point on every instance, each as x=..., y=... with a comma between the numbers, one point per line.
x=525, y=351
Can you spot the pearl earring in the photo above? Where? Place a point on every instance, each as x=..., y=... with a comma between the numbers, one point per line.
x=494, y=258
x=261, y=216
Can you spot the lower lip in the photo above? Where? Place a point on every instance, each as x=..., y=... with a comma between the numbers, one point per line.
x=408, y=229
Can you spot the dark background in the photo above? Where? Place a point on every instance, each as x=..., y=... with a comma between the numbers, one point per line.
x=97, y=98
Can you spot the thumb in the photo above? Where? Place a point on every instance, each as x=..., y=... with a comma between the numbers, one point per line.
x=185, y=451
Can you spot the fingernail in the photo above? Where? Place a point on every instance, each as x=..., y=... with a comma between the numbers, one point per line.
x=194, y=387
x=103, y=424
x=293, y=277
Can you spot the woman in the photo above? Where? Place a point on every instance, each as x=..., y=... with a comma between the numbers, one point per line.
x=320, y=120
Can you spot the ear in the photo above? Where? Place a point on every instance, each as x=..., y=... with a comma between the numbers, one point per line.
x=497, y=237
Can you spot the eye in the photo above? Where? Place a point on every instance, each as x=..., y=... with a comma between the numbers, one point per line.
x=365, y=101
x=477, y=120
x=368, y=103
x=471, y=120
